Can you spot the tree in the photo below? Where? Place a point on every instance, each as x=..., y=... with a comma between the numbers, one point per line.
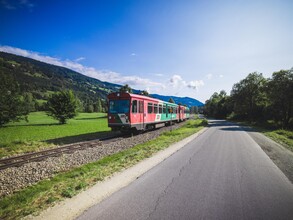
x=98, y=106
x=171, y=100
x=29, y=102
x=126, y=88
x=249, y=97
x=145, y=93
x=280, y=93
x=11, y=103
x=218, y=106
x=62, y=106
x=194, y=110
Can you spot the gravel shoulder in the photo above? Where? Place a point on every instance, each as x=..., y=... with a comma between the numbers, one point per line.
x=281, y=156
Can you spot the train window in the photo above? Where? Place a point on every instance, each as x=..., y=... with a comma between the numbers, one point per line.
x=140, y=106
x=150, y=107
x=164, y=109
x=134, y=106
x=156, y=108
x=119, y=106
x=160, y=108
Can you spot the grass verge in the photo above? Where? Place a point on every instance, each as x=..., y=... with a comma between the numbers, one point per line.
x=284, y=137
x=65, y=185
x=281, y=136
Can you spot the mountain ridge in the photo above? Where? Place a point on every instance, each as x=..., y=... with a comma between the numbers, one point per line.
x=41, y=79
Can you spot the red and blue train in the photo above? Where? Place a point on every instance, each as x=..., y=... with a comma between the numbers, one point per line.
x=132, y=112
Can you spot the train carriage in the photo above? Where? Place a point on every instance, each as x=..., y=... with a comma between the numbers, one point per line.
x=136, y=112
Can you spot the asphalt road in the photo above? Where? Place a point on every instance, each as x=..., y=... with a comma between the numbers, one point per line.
x=222, y=174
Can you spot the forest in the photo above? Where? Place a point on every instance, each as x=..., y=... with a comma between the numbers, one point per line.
x=256, y=99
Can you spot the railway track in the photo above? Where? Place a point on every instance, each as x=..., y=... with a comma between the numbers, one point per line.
x=18, y=161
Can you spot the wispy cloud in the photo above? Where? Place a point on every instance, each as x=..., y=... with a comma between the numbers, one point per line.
x=27, y=4
x=103, y=75
x=13, y=5
x=79, y=59
x=133, y=54
x=7, y=5
x=177, y=82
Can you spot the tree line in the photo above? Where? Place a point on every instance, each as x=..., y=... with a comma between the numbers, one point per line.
x=256, y=99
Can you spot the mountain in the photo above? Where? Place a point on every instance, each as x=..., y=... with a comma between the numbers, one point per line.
x=183, y=100
x=42, y=79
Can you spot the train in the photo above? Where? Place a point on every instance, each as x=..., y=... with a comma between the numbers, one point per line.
x=129, y=112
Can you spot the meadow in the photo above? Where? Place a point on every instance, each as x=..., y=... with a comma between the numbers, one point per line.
x=42, y=132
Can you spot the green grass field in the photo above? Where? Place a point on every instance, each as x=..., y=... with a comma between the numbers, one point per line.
x=44, y=132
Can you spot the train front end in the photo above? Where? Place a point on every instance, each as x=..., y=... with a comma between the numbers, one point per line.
x=119, y=111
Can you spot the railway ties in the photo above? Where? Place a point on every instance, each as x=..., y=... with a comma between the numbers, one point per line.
x=18, y=161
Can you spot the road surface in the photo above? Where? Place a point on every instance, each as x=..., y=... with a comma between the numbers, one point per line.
x=222, y=174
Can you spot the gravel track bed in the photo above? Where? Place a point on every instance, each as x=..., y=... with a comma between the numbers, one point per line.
x=16, y=178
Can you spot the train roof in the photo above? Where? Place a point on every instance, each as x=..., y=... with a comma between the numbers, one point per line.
x=131, y=95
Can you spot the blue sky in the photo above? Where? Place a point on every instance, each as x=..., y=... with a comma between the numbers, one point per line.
x=182, y=48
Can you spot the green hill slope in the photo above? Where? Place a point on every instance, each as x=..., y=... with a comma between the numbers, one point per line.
x=41, y=79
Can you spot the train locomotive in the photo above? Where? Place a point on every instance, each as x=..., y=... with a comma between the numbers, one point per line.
x=131, y=112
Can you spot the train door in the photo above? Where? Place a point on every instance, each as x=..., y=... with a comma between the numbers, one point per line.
x=141, y=114
x=137, y=114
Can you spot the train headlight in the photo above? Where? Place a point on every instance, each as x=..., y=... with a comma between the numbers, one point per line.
x=110, y=117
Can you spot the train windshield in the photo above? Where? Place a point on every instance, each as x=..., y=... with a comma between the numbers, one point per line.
x=119, y=106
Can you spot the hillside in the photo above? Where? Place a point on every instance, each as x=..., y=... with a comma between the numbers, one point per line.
x=41, y=79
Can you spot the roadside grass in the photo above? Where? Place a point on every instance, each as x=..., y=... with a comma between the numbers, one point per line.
x=281, y=136
x=43, y=132
x=38, y=197
x=284, y=137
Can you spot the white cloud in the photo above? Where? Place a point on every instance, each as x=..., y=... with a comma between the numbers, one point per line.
x=209, y=76
x=159, y=74
x=133, y=54
x=221, y=76
x=103, y=75
x=195, y=84
x=177, y=82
